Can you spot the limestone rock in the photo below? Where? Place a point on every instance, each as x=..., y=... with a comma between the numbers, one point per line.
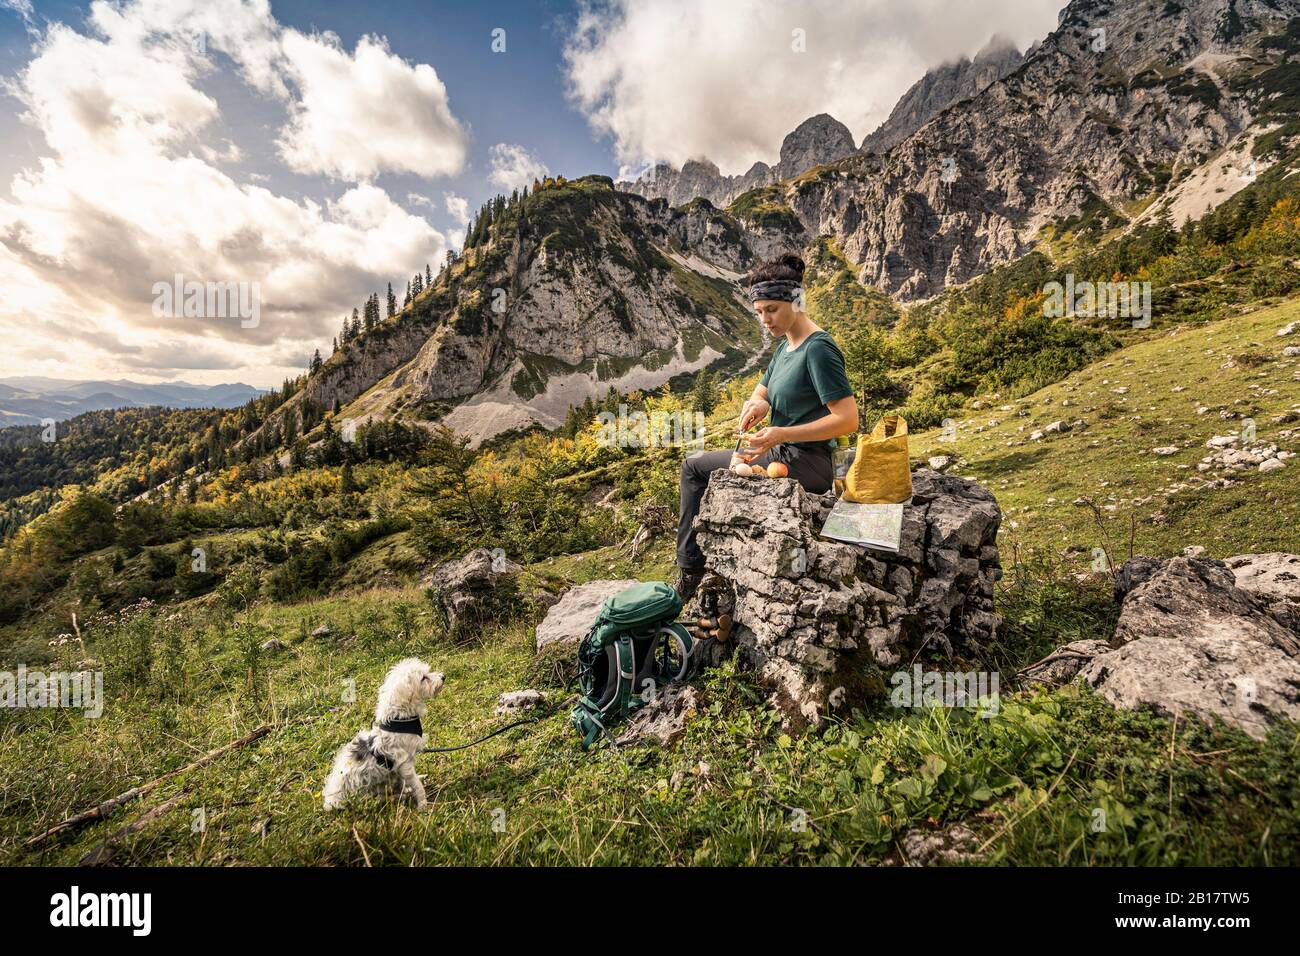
x=1191, y=598
x=663, y=720
x=517, y=701
x=818, y=619
x=1206, y=638
x=569, y=620
x=1246, y=683
x=1063, y=664
x=1273, y=582
x=464, y=586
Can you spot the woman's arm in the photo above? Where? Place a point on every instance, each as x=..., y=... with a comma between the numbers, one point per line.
x=841, y=420
x=755, y=408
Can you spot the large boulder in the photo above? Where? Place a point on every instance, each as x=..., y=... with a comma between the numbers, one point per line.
x=1190, y=598
x=466, y=589
x=1198, y=637
x=819, y=619
x=1241, y=680
x=570, y=618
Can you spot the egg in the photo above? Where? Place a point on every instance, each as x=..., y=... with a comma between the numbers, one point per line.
x=743, y=470
x=777, y=470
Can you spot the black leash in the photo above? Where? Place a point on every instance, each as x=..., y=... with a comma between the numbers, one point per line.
x=475, y=743
x=500, y=730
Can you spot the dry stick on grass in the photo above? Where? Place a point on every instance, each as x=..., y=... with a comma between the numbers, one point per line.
x=103, y=853
x=357, y=836
x=108, y=806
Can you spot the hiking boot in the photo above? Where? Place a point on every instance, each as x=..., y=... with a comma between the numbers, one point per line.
x=688, y=582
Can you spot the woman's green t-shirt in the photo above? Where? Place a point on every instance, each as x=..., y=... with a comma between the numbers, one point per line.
x=800, y=384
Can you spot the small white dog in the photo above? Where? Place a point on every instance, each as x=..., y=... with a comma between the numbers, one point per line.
x=382, y=760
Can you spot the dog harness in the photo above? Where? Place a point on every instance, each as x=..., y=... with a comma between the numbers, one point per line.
x=399, y=725
x=403, y=725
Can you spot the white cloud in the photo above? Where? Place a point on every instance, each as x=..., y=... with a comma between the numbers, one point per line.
x=359, y=115
x=457, y=207
x=129, y=195
x=513, y=166
x=678, y=79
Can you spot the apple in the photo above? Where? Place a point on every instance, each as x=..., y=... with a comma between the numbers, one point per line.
x=777, y=470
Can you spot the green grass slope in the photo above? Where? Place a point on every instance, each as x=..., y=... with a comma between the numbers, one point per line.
x=1053, y=778
x=1137, y=399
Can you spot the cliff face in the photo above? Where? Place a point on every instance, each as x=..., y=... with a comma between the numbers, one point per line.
x=1119, y=98
x=582, y=289
x=940, y=88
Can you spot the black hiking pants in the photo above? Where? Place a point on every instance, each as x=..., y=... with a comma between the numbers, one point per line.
x=810, y=468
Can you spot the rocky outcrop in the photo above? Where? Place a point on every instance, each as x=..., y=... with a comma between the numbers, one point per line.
x=570, y=618
x=1246, y=684
x=1193, y=598
x=1197, y=637
x=664, y=719
x=1273, y=582
x=467, y=589
x=820, y=620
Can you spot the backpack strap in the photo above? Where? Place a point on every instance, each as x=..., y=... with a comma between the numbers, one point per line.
x=588, y=716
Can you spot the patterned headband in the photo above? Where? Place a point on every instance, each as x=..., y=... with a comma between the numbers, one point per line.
x=780, y=290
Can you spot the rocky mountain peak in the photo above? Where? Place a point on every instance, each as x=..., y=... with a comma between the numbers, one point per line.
x=940, y=88
x=818, y=139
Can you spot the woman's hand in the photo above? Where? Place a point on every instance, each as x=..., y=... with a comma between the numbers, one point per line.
x=762, y=441
x=754, y=411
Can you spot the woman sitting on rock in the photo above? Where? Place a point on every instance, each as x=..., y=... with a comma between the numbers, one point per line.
x=807, y=392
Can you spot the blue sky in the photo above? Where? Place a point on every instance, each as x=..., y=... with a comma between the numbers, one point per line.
x=314, y=152
x=512, y=97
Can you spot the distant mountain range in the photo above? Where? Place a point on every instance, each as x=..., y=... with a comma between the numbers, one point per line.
x=1128, y=108
x=29, y=400
x=823, y=139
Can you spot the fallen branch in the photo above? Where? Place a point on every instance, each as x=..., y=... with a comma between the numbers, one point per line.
x=111, y=804
x=103, y=853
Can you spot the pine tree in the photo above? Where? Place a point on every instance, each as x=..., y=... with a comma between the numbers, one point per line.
x=407, y=300
x=428, y=276
x=392, y=302
x=316, y=362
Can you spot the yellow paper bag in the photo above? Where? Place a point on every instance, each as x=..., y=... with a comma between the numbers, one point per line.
x=880, y=474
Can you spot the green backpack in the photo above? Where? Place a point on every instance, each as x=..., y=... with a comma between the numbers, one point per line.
x=634, y=646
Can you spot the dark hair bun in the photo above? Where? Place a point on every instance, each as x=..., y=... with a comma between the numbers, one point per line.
x=788, y=267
